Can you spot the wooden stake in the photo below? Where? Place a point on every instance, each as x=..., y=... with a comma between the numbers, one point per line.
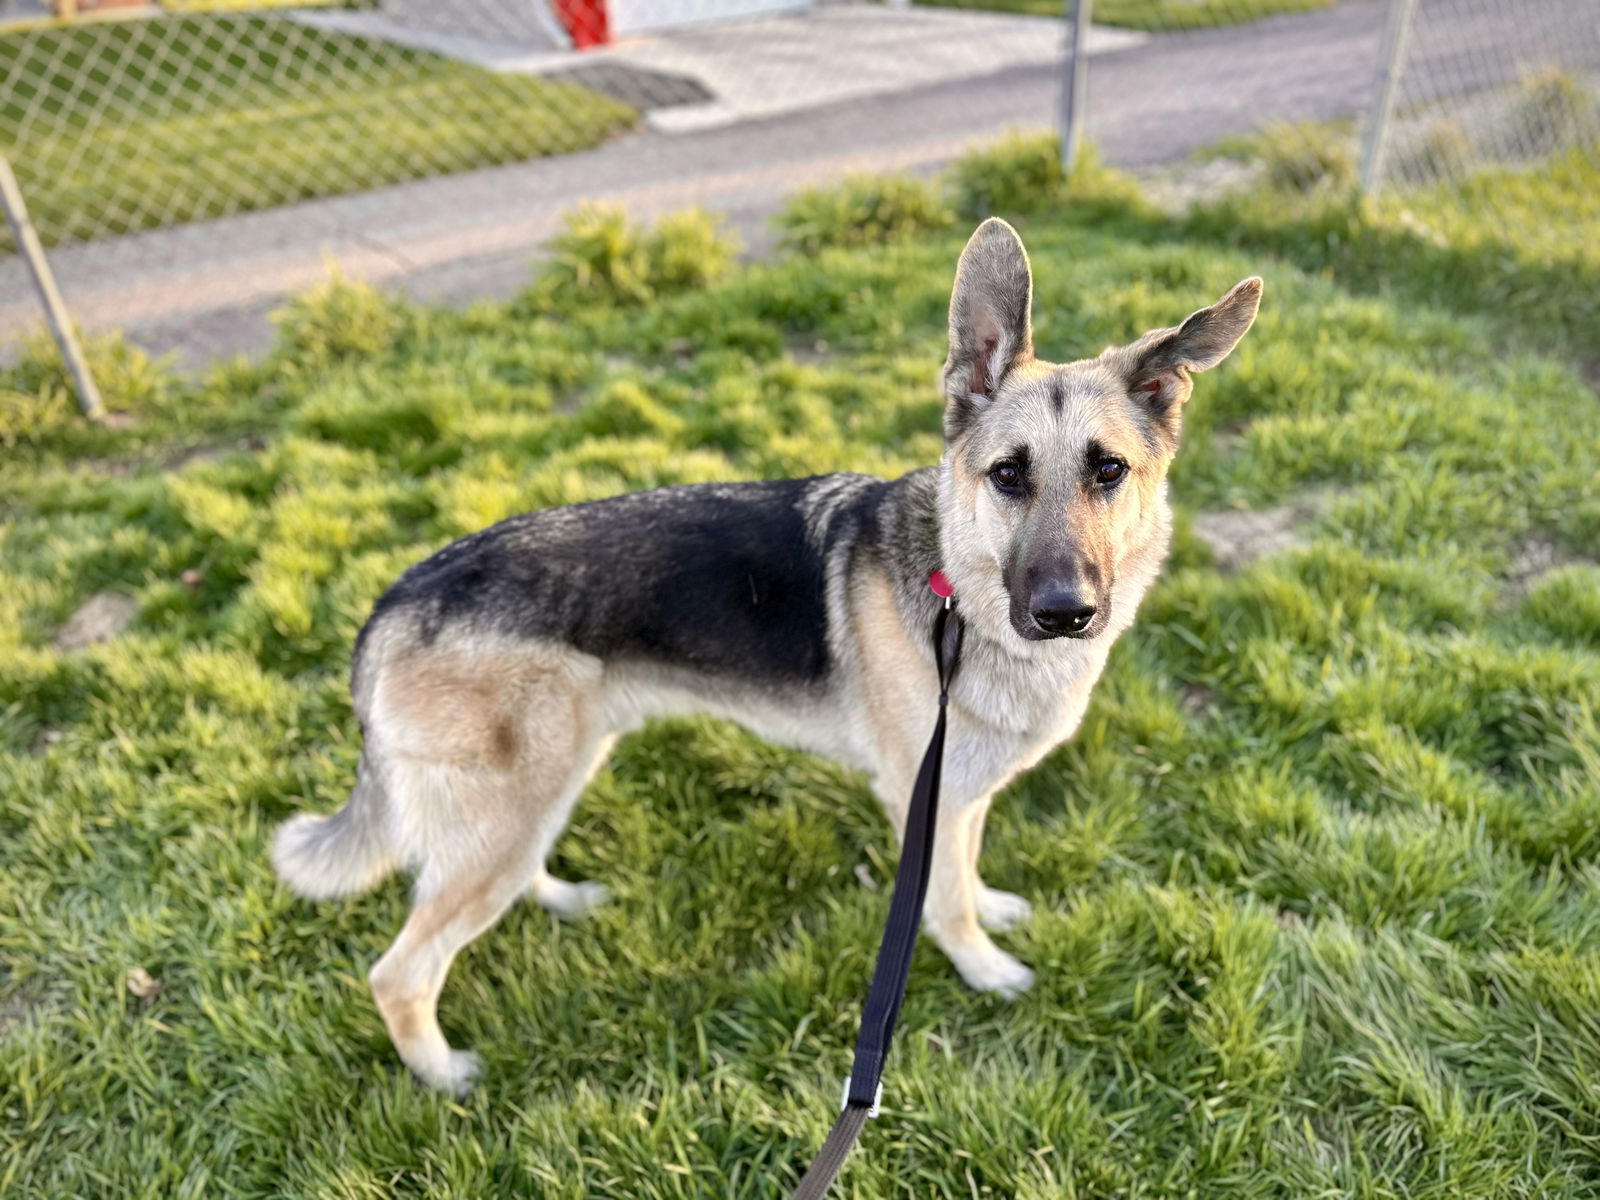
x=55, y=309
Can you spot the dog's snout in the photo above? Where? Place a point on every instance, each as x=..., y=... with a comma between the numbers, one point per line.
x=1059, y=608
x=1060, y=598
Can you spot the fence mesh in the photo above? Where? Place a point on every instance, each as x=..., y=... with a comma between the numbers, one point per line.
x=1295, y=88
x=127, y=118
x=1492, y=82
x=173, y=115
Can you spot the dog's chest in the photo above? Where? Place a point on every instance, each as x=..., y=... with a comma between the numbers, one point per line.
x=1010, y=715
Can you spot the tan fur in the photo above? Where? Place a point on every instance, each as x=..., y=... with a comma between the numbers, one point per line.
x=895, y=710
x=512, y=710
x=460, y=709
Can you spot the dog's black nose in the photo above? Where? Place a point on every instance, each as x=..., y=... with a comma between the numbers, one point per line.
x=1058, y=609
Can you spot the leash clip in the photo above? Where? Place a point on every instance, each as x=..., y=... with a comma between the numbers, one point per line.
x=877, y=1099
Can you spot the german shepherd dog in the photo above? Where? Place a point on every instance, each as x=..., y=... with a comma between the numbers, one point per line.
x=492, y=679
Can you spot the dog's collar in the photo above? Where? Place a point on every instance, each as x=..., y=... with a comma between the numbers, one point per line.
x=941, y=585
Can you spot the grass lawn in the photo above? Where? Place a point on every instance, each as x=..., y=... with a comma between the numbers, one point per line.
x=1318, y=900
x=1149, y=14
x=126, y=125
x=1517, y=246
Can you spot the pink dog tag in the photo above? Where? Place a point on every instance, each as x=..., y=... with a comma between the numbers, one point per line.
x=940, y=585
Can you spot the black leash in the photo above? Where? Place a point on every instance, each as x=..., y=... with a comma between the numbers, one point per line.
x=863, y=1090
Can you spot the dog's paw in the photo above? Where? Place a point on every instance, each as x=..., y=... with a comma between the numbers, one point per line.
x=991, y=969
x=454, y=1072
x=458, y=1079
x=569, y=901
x=999, y=911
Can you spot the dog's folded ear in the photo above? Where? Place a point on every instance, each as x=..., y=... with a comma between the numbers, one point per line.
x=990, y=320
x=1158, y=364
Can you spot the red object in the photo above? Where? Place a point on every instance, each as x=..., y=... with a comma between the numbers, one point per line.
x=585, y=21
x=940, y=585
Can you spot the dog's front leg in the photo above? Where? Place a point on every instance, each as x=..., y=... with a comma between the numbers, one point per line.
x=997, y=911
x=951, y=915
x=958, y=905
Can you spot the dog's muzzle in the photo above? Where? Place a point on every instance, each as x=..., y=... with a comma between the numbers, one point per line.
x=1057, y=609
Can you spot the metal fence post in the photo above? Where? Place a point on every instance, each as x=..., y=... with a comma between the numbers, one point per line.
x=1075, y=83
x=55, y=309
x=1395, y=37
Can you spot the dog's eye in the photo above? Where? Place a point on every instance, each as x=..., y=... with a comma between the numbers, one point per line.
x=1109, y=470
x=1007, y=476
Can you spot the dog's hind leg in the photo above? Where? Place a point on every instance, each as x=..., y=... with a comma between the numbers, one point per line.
x=455, y=902
x=485, y=760
x=573, y=901
x=468, y=881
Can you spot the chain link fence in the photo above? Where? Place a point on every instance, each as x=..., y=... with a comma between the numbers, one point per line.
x=235, y=132
x=1383, y=94
x=135, y=118
x=126, y=117
x=145, y=136
x=1484, y=83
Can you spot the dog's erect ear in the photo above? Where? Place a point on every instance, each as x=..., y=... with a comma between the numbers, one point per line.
x=990, y=331
x=1158, y=364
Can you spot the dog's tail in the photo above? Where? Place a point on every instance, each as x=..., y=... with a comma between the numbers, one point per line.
x=349, y=852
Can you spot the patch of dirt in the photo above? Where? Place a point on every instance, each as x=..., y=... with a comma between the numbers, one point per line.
x=99, y=619
x=172, y=458
x=212, y=451
x=13, y=1011
x=1589, y=368
x=1197, y=697
x=1238, y=538
x=811, y=352
x=1229, y=439
x=33, y=997
x=1535, y=558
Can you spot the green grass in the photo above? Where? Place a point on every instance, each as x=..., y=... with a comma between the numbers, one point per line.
x=126, y=125
x=1319, y=911
x=1154, y=15
x=1519, y=246
x=861, y=211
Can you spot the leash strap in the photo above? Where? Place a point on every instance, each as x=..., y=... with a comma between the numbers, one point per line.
x=863, y=1089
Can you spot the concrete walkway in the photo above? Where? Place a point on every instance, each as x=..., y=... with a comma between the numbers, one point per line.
x=796, y=62
x=761, y=66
